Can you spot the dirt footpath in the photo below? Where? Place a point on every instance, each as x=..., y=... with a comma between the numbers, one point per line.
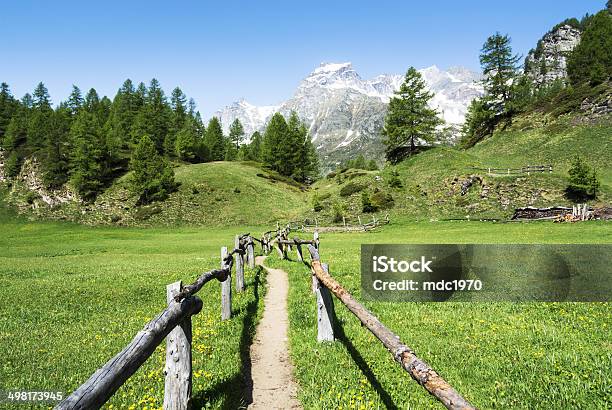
x=271, y=368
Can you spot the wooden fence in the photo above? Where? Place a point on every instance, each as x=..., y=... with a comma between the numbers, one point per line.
x=174, y=325
x=311, y=225
x=529, y=169
x=323, y=285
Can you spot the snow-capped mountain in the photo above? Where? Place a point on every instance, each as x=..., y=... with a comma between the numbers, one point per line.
x=345, y=113
x=253, y=118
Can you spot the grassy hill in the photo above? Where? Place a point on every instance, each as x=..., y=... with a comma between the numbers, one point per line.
x=431, y=181
x=217, y=193
x=237, y=193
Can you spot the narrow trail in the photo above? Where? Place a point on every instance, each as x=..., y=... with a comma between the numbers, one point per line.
x=271, y=369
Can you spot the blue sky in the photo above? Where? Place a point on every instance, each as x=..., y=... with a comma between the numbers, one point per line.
x=220, y=51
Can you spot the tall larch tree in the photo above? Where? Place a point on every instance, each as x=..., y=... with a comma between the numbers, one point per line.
x=274, y=136
x=215, y=141
x=152, y=176
x=8, y=106
x=87, y=156
x=39, y=120
x=500, y=70
x=178, y=102
x=409, y=119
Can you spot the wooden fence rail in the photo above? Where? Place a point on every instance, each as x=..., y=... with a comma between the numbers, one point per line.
x=516, y=171
x=417, y=368
x=173, y=324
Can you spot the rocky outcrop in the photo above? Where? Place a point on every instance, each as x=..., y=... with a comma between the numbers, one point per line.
x=30, y=179
x=548, y=61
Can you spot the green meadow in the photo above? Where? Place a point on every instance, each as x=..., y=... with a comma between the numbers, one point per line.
x=72, y=296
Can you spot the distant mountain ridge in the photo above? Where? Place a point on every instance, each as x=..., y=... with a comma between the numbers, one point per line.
x=345, y=113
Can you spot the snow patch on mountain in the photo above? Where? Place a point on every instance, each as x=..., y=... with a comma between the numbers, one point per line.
x=345, y=113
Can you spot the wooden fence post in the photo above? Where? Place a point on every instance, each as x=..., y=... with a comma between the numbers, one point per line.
x=279, y=249
x=239, y=258
x=250, y=253
x=325, y=311
x=298, y=250
x=226, y=290
x=177, y=389
x=315, y=236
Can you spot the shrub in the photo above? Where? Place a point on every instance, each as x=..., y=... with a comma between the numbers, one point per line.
x=366, y=204
x=583, y=182
x=316, y=203
x=382, y=200
x=351, y=188
x=394, y=181
x=338, y=212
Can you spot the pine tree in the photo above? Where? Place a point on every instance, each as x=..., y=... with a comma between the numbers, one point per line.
x=186, y=145
x=39, y=120
x=153, y=118
x=293, y=149
x=591, y=60
x=583, y=182
x=121, y=118
x=17, y=130
x=87, y=156
x=253, y=152
x=500, y=70
x=8, y=106
x=55, y=160
x=214, y=141
x=75, y=101
x=179, y=117
x=479, y=122
x=409, y=119
x=152, y=176
x=236, y=133
x=273, y=142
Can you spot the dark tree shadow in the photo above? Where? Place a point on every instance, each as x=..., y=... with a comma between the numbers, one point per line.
x=365, y=369
x=237, y=391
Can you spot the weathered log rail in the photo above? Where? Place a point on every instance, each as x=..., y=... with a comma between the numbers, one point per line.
x=311, y=225
x=529, y=169
x=323, y=283
x=174, y=325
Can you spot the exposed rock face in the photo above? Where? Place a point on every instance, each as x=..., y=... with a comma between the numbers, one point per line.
x=345, y=113
x=548, y=61
x=30, y=178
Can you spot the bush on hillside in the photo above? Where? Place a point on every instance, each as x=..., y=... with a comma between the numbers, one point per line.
x=381, y=199
x=583, y=182
x=366, y=204
x=338, y=212
x=394, y=180
x=351, y=188
x=316, y=203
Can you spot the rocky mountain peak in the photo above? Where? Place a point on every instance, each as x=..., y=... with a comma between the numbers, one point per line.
x=345, y=113
x=548, y=61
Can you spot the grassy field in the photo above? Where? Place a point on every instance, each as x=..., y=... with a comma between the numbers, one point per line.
x=71, y=297
x=498, y=355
